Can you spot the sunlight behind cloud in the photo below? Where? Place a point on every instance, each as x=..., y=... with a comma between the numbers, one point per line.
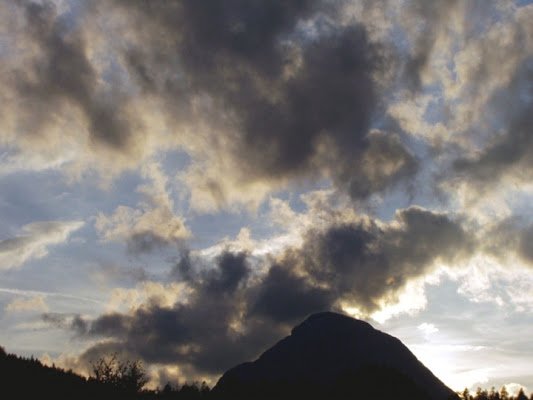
x=409, y=301
x=453, y=364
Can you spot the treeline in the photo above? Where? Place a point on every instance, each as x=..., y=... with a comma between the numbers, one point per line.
x=493, y=394
x=28, y=378
x=111, y=378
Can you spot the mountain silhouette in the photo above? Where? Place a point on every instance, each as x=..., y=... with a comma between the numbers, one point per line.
x=333, y=354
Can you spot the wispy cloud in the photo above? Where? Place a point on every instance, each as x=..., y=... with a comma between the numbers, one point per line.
x=34, y=242
x=27, y=304
x=40, y=294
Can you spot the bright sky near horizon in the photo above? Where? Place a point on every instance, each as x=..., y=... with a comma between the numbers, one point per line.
x=182, y=182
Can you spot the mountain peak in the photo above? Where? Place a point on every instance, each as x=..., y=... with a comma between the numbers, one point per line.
x=330, y=322
x=325, y=347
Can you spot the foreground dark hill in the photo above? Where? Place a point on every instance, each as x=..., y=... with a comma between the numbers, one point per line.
x=28, y=378
x=334, y=355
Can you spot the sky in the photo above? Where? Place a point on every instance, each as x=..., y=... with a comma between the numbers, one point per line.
x=182, y=182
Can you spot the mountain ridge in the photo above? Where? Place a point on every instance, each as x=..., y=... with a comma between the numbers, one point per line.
x=325, y=347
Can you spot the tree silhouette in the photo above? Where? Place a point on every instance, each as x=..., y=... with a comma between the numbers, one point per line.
x=128, y=376
x=521, y=395
x=466, y=394
x=493, y=394
x=504, y=395
x=481, y=394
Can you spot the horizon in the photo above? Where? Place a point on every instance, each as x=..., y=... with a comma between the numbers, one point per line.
x=183, y=182
x=513, y=389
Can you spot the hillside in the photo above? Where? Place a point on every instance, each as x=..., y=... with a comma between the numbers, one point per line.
x=332, y=354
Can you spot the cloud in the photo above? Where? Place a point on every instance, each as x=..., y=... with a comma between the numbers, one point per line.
x=148, y=292
x=37, y=237
x=513, y=388
x=142, y=229
x=507, y=153
x=466, y=94
x=62, y=109
x=264, y=95
x=202, y=332
x=386, y=163
x=362, y=262
x=504, y=282
x=72, y=322
x=510, y=237
x=258, y=96
x=38, y=294
x=299, y=108
x=525, y=249
x=227, y=310
x=287, y=297
x=427, y=329
x=27, y=304
x=153, y=224
x=494, y=78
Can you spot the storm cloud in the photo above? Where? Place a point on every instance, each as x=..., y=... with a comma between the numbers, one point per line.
x=299, y=103
x=233, y=314
x=362, y=263
x=279, y=90
x=260, y=94
x=202, y=333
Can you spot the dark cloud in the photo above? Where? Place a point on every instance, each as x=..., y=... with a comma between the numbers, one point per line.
x=288, y=92
x=526, y=244
x=183, y=268
x=197, y=333
x=428, y=19
x=331, y=94
x=363, y=263
x=292, y=92
x=114, y=324
x=503, y=142
x=504, y=154
x=511, y=236
x=285, y=90
x=148, y=241
x=62, y=76
x=286, y=297
x=428, y=23
x=386, y=163
x=55, y=319
x=78, y=324
x=232, y=270
x=232, y=315
x=73, y=322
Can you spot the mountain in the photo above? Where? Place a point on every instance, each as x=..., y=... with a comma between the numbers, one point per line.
x=329, y=355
